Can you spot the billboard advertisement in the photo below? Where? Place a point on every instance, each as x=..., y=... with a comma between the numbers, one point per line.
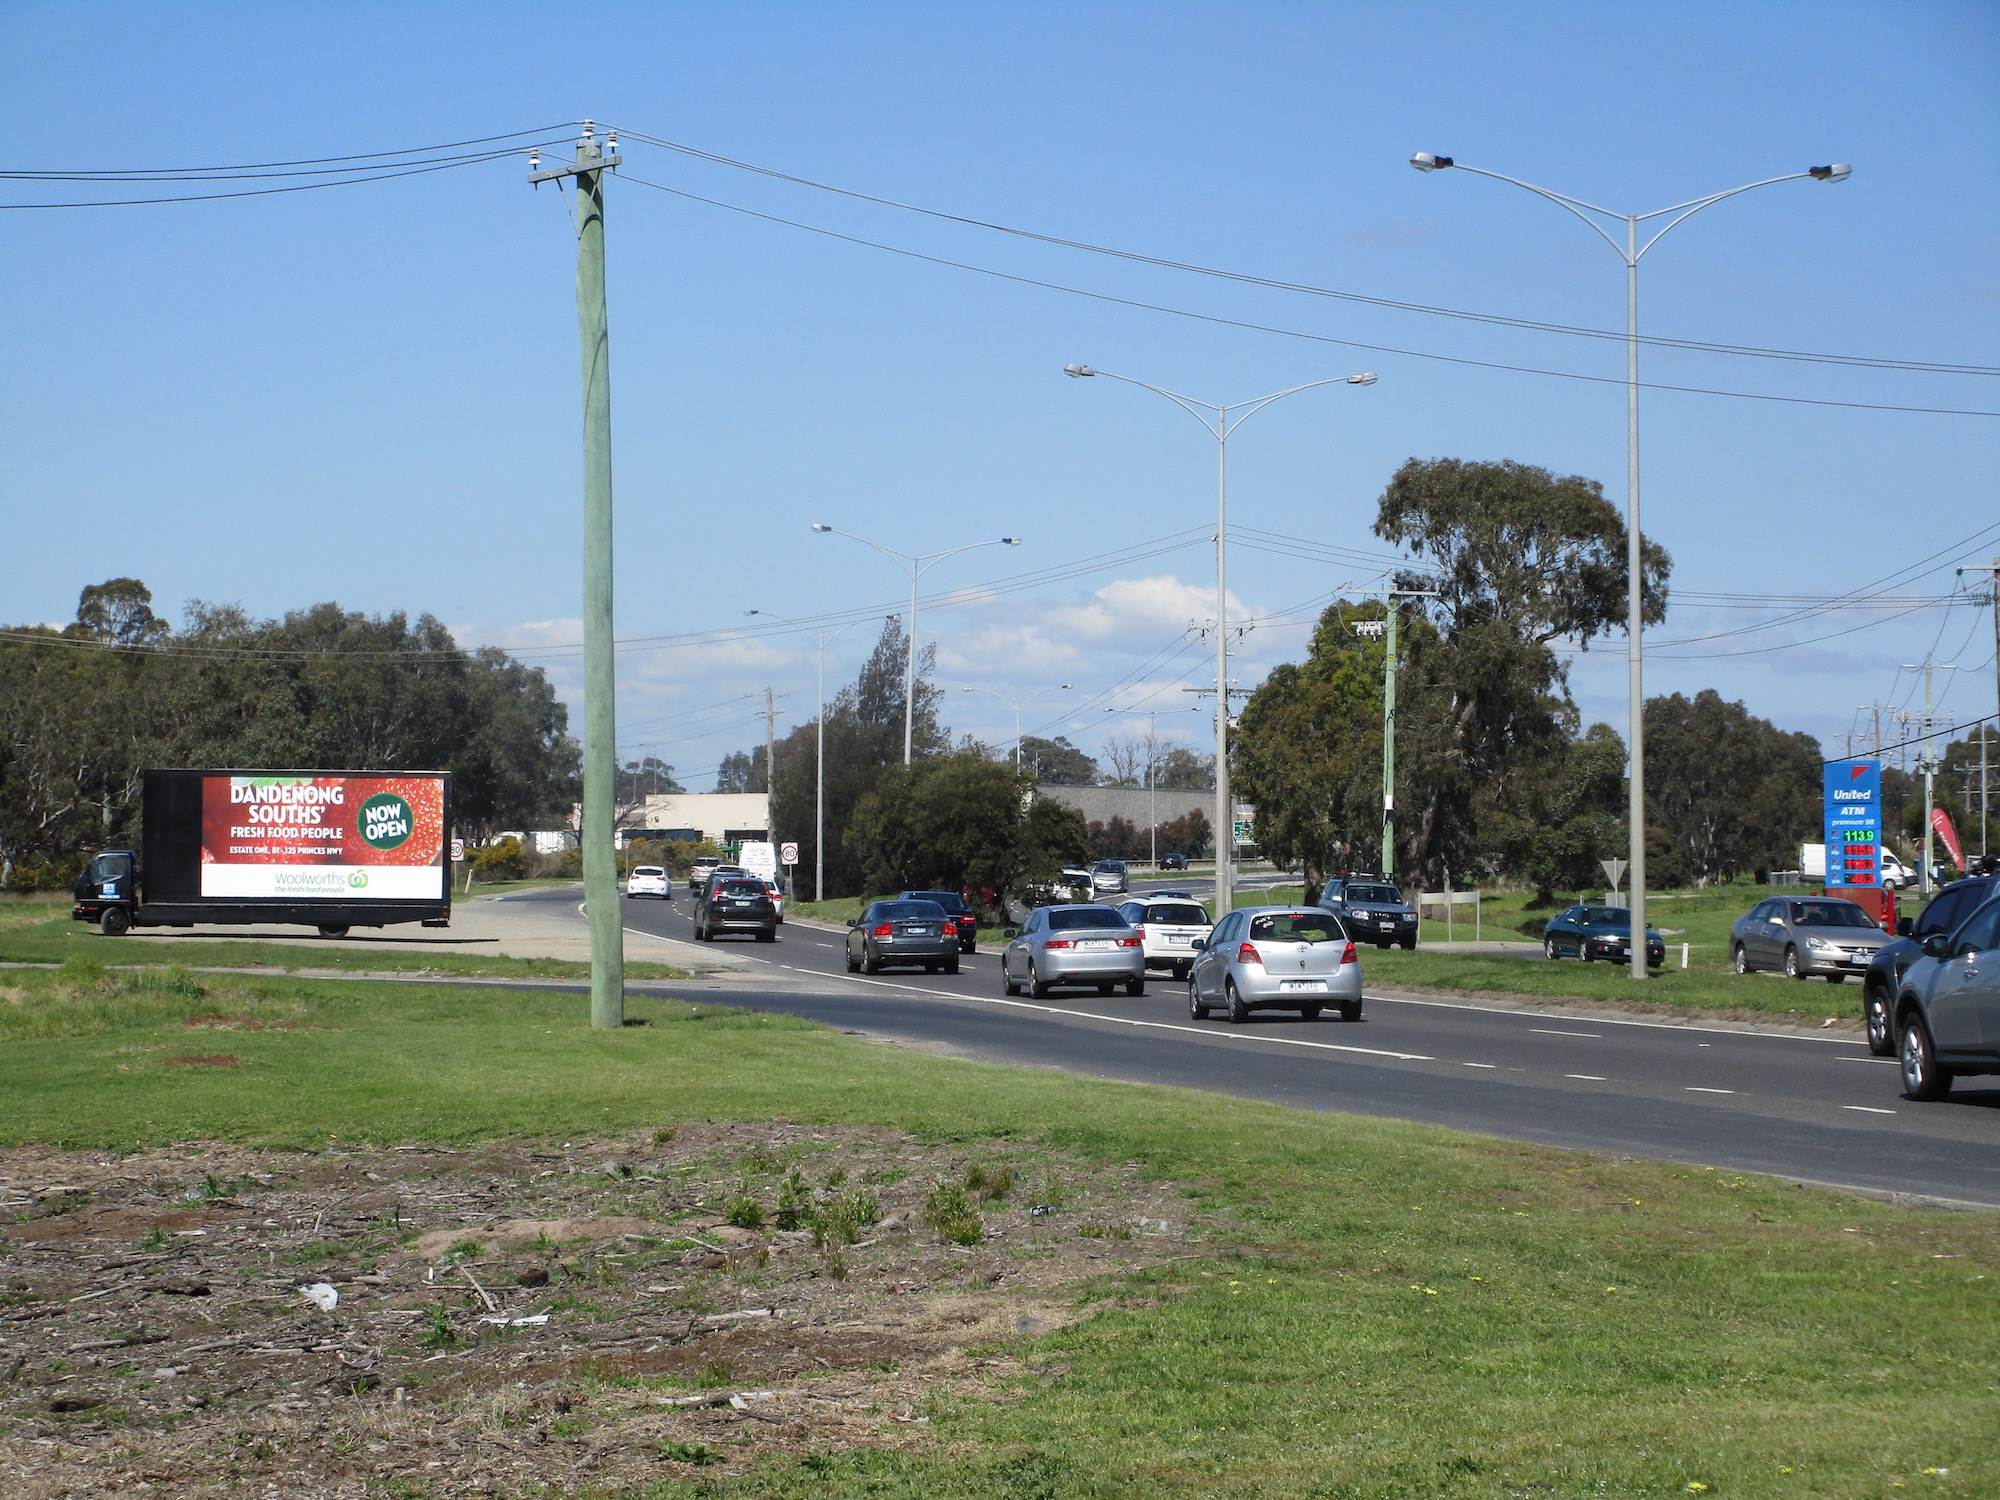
x=1853, y=819
x=343, y=838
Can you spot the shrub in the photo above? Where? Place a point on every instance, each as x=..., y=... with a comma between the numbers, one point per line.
x=949, y=1212
x=744, y=1211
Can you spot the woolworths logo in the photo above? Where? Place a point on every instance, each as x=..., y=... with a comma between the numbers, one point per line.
x=358, y=879
x=386, y=821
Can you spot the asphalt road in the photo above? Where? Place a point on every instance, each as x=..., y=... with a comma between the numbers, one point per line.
x=1811, y=1107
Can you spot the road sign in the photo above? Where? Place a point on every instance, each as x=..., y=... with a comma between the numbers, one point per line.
x=788, y=854
x=1244, y=833
x=1853, y=819
x=1614, y=870
x=457, y=851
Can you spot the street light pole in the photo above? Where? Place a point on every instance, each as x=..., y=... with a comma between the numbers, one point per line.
x=1152, y=716
x=916, y=564
x=1017, y=704
x=820, y=638
x=1631, y=252
x=1220, y=425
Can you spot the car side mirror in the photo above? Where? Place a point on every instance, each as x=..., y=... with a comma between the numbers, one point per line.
x=854, y=921
x=1905, y=926
x=1199, y=944
x=1937, y=945
x=1010, y=934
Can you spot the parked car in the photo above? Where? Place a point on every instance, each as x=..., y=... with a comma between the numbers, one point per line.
x=1594, y=932
x=901, y=932
x=1372, y=909
x=1884, y=979
x=1173, y=861
x=649, y=880
x=1075, y=945
x=1276, y=958
x=1167, y=928
x=1948, y=1009
x=964, y=920
x=698, y=871
x=735, y=904
x=1108, y=877
x=1805, y=936
x=1896, y=875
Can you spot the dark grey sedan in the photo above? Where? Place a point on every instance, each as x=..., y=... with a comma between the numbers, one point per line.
x=902, y=932
x=1804, y=936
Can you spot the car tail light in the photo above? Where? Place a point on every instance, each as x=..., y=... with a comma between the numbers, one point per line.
x=1142, y=933
x=1248, y=954
x=882, y=930
x=1059, y=943
x=1347, y=954
x=1131, y=942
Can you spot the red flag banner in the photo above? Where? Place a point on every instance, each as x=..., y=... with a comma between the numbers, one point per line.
x=1941, y=821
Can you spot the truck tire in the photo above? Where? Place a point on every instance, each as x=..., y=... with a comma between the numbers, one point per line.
x=332, y=930
x=114, y=921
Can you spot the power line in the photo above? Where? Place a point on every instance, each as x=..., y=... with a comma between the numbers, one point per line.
x=310, y=161
x=1699, y=345
x=297, y=187
x=1317, y=338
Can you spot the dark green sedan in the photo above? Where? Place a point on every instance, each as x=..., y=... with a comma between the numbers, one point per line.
x=1593, y=932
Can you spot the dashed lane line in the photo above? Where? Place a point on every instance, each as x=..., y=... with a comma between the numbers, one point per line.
x=1544, y=1031
x=1587, y=1077
x=1695, y=1088
x=1868, y=1109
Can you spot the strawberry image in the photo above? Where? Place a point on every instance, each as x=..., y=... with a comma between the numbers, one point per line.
x=393, y=820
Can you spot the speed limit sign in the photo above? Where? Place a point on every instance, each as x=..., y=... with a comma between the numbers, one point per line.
x=788, y=854
x=457, y=851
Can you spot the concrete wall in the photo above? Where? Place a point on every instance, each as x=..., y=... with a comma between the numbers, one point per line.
x=715, y=814
x=1100, y=804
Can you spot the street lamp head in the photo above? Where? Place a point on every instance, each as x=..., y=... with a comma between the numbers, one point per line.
x=1011, y=541
x=1424, y=161
x=1078, y=371
x=1840, y=171
x=1367, y=378
x=820, y=526
x=753, y=611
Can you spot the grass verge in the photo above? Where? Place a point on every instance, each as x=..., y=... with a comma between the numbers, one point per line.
x=57, y=940
x=1406, y=1311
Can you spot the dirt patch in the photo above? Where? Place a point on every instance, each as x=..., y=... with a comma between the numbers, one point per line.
x=568, y=1315
x=212, y=1060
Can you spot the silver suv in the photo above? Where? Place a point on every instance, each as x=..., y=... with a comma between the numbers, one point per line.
x=1948, y=1009
x=1276, y=958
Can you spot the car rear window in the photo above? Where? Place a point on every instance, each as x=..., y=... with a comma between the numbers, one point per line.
x=1177, y=916
x=1069, y=918
x=1386, y=893
x=741, y=888
x=908, y=911
x=652, y=870
x=1829, y=914
x=945, y=899
x=1298, y=927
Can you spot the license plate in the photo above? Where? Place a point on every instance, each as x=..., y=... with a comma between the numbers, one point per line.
x=1387, y=925
x=1179, y=939
x=914, y=932
x=1302, y=986
x=1096, y=943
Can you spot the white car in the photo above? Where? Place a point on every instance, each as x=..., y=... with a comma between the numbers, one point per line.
x=777, y=899
x=1168, y=929
x=648, y=880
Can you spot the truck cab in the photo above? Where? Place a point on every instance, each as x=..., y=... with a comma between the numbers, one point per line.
x=107, y=892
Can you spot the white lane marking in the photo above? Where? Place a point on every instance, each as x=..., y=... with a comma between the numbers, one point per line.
x=1544, y=1031
x=1518, y=1013
x=1695, y=1088
x=1587, y=1077
x=1479, y=1065
x=1867, y=1110
x=1091, y=1015
x=1885, y=1062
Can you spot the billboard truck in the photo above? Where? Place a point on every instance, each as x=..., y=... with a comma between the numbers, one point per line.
x=325, y=849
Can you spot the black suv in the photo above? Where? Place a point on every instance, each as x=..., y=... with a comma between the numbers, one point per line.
x=1884, y=979
x=959, y=916
x=1371, y=909
x=739, y=903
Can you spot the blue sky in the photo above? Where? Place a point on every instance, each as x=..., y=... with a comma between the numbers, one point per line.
x=369, y=394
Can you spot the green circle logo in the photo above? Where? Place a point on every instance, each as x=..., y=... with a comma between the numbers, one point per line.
x=386, y=821
x=358, y=879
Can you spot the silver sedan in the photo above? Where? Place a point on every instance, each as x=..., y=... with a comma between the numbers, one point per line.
x=1804, y=936
x=1276, y=958
x=1077, y=946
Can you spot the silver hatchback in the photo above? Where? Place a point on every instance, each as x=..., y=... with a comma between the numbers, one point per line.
x=1276, y=958
x=1804, y=936
x=1077, y=946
